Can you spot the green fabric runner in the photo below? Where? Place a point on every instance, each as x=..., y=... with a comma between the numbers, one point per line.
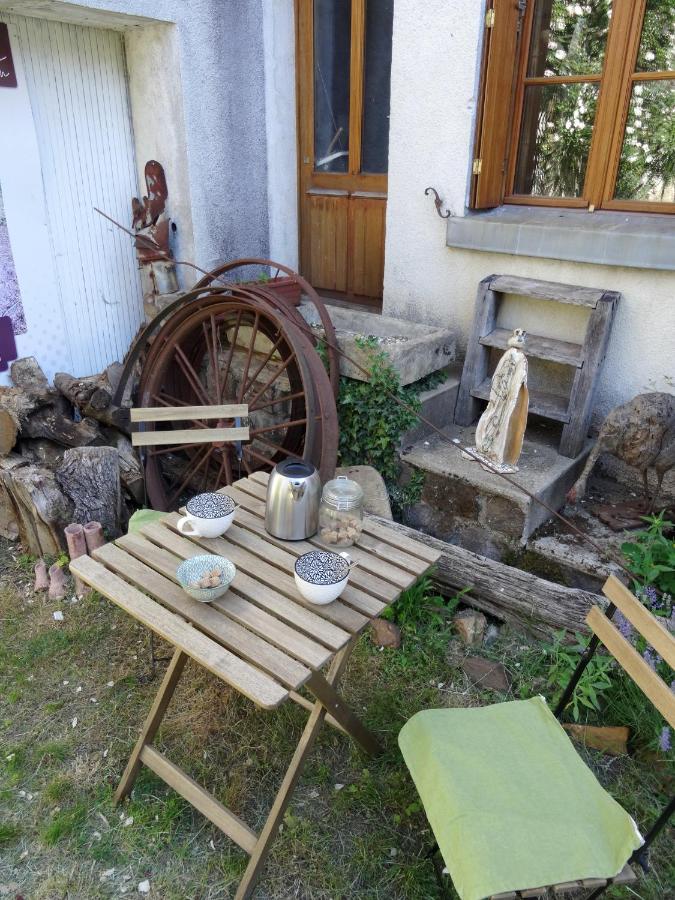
x=511, y=803
x=143, y=517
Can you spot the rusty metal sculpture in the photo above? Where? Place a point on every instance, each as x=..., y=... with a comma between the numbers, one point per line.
x=151, y=223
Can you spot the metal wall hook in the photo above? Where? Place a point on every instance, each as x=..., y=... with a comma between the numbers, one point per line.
x=437, y=202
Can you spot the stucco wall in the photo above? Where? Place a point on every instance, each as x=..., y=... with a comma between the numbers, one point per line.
x=434, y=90
x=214, y=63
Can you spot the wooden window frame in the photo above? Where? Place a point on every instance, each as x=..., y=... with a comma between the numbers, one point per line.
x=616, y=82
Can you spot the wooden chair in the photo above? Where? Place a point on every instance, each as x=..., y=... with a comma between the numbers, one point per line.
x=200, y=435
x=450, y=782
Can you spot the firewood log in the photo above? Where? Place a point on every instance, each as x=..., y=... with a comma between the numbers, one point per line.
x=92, y=396
x=50, y=424
x=27, y=375
x=90, y=476
x=41, y=510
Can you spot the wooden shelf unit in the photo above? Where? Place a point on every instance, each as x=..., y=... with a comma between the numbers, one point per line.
x=573, y=410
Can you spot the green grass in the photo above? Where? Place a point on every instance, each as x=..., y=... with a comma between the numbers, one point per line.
x=61, y=835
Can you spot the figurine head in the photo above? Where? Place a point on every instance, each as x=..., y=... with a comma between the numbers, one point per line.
x=517, y=339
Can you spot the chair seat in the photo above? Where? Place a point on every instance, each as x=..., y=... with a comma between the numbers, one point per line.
x=510, y=802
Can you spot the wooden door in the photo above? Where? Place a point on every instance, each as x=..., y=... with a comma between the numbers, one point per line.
x=344, y=66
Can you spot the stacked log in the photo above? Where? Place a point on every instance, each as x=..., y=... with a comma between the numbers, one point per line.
x=65, y=457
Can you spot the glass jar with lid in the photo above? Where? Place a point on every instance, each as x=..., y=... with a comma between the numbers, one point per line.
x=341, y=512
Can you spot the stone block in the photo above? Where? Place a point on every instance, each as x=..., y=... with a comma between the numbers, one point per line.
x=385, y=634
x=415, y=350
x=375, y=494
x=470, y=625
x=486, y=673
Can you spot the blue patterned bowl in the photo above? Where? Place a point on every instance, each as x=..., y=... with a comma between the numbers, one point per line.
x=193, y=570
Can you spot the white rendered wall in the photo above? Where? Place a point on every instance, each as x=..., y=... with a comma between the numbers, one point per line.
x=156, y=96
x=280, y=121
x=434, y=89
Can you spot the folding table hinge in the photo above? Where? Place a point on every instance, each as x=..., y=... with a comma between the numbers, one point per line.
x=477, y=166
x=490, y=18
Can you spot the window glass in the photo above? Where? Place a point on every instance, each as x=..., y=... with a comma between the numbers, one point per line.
x=647, y=165
x=332, y=50
x=657, y=43
x=376, y=86
x=555, y=139
x=568, y=38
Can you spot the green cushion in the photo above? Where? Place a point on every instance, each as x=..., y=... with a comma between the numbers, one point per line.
x=510, y=802
x=143, y=517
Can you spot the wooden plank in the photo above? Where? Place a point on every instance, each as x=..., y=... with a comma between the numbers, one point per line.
x=205, y=616
x=546, y=290
x=365, y=581
x=651, y=627
x=538, y=346
x=634, y=665
x=510, y=594
x=371, y=525
x=234, y=827
x=625, y=876
x=188, y=436
x=542, y=403
x=582, y=394
x=188, y=413
x=152, y=722
x=234, y=606
x=318, y=628
x=337, y=613
x=366, y=227
x=382, y=571
x=240, y=675
x=475, y=369
x=336, y=706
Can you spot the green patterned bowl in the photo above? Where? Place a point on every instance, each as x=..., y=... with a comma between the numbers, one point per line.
x=194, y=569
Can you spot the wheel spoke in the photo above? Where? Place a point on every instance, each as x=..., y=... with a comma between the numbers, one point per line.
x=228, y=363
x=244, y=379
x=251, y=380
x=275, y=400
x=271, y=380
x=215, y=338
x=256, y=431
x=256, y=455
x=189, y=472
x=206, y=469
x=191, y=375
x=276, y=447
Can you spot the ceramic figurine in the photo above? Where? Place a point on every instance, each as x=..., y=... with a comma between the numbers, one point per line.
x=501, y=428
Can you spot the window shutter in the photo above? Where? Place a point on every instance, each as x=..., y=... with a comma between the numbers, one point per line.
x=502, y=32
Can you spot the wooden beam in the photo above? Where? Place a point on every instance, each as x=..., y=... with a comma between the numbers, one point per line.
x=188, y=413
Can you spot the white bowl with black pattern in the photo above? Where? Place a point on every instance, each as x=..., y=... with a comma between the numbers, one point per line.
x=321, y=575
x=207, y=515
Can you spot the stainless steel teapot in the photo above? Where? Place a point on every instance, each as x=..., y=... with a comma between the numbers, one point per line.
x=293, y=498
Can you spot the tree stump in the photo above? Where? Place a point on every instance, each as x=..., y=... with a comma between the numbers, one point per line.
x=41, y=510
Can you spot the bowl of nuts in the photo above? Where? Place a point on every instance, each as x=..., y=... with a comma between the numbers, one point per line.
x=205, y=577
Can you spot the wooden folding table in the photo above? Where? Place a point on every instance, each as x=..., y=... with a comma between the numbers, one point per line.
x=261, y=637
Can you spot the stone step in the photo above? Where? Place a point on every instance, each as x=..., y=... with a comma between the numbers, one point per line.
x=438, y=406
x=415, y=350
x=462, y=503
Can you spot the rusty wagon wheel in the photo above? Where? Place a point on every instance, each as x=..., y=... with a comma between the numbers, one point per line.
x=215, y=279
x=223, y=349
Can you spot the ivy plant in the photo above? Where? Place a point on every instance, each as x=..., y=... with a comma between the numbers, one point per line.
x=372, y=423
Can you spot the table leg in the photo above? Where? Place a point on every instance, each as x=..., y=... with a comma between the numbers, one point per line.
x=276, y=815
x=152, y=723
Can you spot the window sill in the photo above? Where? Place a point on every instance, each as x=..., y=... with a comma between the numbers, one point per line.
x=638, y=240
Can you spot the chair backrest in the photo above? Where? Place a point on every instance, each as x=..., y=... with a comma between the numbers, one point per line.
x=195, y=414
x=651, y=629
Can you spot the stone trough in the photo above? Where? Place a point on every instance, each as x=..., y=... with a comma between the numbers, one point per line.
x=414, y=350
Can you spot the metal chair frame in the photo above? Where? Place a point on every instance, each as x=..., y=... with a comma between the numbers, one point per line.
x=617, y=594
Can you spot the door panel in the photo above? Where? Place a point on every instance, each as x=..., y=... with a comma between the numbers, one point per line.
x=328, y=247
x=344, y=63
x=366, y=240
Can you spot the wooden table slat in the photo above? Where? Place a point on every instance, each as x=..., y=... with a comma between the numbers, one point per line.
x=383, y=592
x=280, y=581
x=243, y=677
x=373, y=574
x=315, y=627
x=206, y=617
x=257, y=484
x=241, y=610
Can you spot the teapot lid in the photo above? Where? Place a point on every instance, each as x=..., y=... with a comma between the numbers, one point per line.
x=343, y=492
x=295, y=468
